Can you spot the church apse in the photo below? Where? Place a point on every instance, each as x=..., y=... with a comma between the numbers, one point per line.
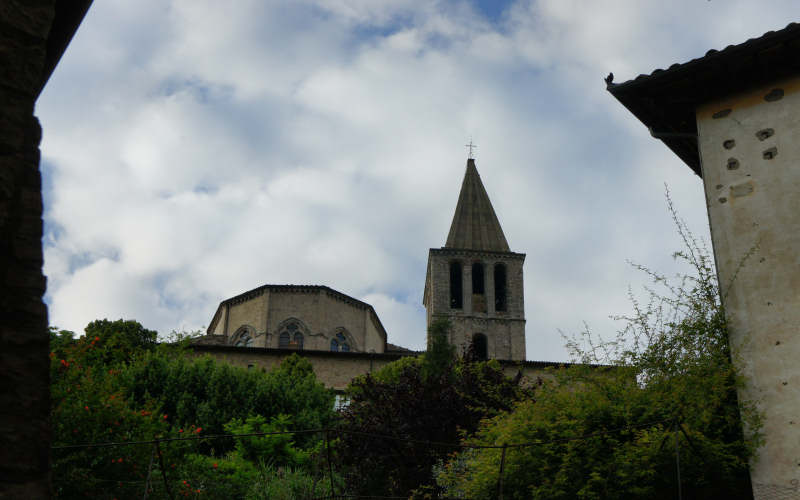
x=297, y=318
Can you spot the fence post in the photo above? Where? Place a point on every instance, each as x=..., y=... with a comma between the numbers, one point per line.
x=500, y=478
x=678, y=461
x=163, y=471
x=149, y=472
x=330, y=467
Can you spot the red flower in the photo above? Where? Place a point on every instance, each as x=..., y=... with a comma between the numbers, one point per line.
x=86, y=408
x=215, y=465
x=165, y=417
x=184, y=482
x=197, y=431
x=96, y=339
x=180, y=430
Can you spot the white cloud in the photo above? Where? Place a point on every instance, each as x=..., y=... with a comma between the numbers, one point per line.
x=197, y=150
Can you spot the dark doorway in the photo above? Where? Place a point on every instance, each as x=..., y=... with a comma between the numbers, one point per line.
x=480, y=346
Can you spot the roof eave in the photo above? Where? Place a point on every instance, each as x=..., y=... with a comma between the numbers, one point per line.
x=68, y=16
x=666, y=100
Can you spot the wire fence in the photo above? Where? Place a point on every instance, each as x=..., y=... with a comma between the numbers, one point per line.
x=156, y=479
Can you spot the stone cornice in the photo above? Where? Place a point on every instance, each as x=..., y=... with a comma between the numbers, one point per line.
x=302, y=352
x=465, y=252
x=371, y=355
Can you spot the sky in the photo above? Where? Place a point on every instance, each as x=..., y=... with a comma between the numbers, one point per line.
x=196, y=149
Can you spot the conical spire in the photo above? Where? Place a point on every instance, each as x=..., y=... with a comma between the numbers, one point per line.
x=475, y=225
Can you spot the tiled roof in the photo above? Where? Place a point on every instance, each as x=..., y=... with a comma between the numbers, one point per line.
x=475, y=225
x=392, y=348
x=665, y=100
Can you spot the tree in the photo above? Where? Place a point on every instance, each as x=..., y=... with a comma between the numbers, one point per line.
x=209, y=394
x=434, y=398
x=118, y=341
x=89, y=404
x=116, y=385
x=610, y=432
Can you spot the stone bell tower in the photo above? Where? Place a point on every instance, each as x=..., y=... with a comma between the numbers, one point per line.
x=475, y=281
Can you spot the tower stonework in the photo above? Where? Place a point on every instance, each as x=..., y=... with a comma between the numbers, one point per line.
x=475, y=280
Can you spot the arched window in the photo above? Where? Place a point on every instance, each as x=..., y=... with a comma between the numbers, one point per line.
x=456, y=294
x=340, y=343
x=478, y=288
x=291, y=335
x=243, y=337
x=480, y=346
x=477, y=279
x=500, y=287
x=245, y=340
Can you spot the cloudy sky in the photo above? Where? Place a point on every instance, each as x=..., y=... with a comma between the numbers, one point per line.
x=194, y=150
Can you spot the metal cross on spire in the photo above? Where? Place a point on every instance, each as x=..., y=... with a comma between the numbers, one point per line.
x=471, y=147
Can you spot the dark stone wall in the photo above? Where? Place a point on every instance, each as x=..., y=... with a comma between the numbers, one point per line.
x=24, y=362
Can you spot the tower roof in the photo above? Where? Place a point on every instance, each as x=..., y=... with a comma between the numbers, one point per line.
x=475, y=225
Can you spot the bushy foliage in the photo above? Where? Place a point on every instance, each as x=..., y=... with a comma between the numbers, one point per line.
x=286, y=483
x=118, y=341
x=610, y=432
x=210, y=394
x=120, y=387
x=250, y=471
x=278, y=448
x=90, y=405
x=436, y=399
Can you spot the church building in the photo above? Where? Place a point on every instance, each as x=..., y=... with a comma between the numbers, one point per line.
x=474, y=281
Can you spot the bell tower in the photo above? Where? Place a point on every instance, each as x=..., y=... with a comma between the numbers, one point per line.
x=475, y=281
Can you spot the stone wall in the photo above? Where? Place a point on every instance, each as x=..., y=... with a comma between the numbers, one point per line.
x=505, y=330
x=251, y=313
x=321, y=313
x=750, y=157
x=336, y=370
x=24, y=362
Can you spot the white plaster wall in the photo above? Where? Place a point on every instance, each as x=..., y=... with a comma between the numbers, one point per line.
x=754, y=203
